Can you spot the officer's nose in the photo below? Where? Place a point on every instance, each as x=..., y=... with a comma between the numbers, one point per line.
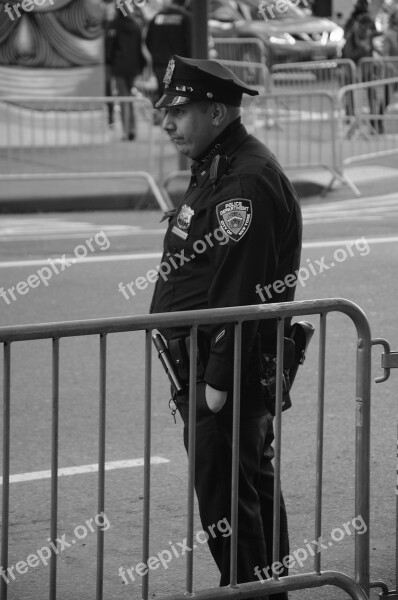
x=168, y=123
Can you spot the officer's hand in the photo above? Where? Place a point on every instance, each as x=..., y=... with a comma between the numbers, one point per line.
x=215, y=398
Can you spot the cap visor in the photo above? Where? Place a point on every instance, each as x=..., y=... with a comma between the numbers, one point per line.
x=172, y=100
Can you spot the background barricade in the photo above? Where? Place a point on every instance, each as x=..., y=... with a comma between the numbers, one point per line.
x=254, y=74
x=368, y=115
x=240, y=49
x=299, y=127
x=381, y=67
x=324, y=75
x=70, y=138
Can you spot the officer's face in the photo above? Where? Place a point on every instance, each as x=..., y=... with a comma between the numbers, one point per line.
x=190, y=127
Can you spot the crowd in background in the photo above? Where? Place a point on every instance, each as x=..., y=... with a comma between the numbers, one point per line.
x=141, y=36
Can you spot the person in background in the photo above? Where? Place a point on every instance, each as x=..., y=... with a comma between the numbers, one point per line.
x=127, y=63
x=390, y=40
x=169, y=32
x=359, y=44
x=361, y=7
x=109, y=39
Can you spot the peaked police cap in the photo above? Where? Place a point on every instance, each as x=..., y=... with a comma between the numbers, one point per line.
x=190, y=80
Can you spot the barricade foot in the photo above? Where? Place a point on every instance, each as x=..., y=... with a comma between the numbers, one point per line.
x=284, y=584
x=343, y=179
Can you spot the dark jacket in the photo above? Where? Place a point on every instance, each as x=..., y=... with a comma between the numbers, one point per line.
x=169, y=32
x=241, y=189
x=127, y=59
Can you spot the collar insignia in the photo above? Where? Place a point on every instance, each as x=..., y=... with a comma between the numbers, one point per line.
x=235, y=217
x=184, y=217
x=169, y=71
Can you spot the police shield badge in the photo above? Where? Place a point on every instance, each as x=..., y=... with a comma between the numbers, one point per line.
x=235, y=217
x=184, y=217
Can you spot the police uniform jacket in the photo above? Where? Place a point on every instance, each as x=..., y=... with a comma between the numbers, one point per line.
x=238, y=225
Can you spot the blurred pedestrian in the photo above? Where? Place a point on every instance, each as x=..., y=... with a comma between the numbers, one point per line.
x=390, y=41
x=127, y=63
x=169, y=32
x=361, y=7
x=358, y=45
x=359, y=40
x=109, y=42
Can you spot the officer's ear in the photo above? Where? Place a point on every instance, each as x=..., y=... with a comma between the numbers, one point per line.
x=219, y=113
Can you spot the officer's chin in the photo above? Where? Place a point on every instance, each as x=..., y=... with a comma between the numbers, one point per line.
x=182, y=149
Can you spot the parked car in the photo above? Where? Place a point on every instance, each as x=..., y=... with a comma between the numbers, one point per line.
x=290, y=35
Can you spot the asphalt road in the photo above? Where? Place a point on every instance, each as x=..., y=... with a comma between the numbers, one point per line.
x=119, y=247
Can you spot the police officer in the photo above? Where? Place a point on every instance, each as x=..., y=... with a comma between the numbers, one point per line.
x=238, y=225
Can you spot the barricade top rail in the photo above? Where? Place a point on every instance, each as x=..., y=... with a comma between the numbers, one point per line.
x=186, y=318
x=300, y=93
x=363, y=85
x=313, y=64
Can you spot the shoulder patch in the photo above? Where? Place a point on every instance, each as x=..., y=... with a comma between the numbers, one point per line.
x=235, y=217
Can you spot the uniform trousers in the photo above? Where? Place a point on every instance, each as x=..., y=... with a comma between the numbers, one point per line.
x=256, y=482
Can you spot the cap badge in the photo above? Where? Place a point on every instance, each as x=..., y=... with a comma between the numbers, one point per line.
x=169, y=71
x=184, y=217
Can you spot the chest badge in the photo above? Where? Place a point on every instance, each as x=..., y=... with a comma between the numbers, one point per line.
x=184, y=217
x=235, y=217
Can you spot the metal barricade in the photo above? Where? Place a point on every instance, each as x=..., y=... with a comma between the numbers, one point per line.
x=254, y=74
x=299, y=127
x=322, y=75
x=73, y=138
x=368, y=120
x=373, y=68
x=357, y=587
x=240, y=49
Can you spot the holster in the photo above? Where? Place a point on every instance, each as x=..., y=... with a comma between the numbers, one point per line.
x=294, y=351
x=179, y=351
x=180, y=357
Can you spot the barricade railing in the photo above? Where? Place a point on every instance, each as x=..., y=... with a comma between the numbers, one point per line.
x=381, y=67
x=357, y=586
x=368, y=120
x=254, y=74
x=322, y=75
x=79, y=138
x=300, y=127
x=240, y=49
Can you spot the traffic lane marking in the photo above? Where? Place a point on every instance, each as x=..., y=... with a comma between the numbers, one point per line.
x=82, y=469
x=156, y=255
